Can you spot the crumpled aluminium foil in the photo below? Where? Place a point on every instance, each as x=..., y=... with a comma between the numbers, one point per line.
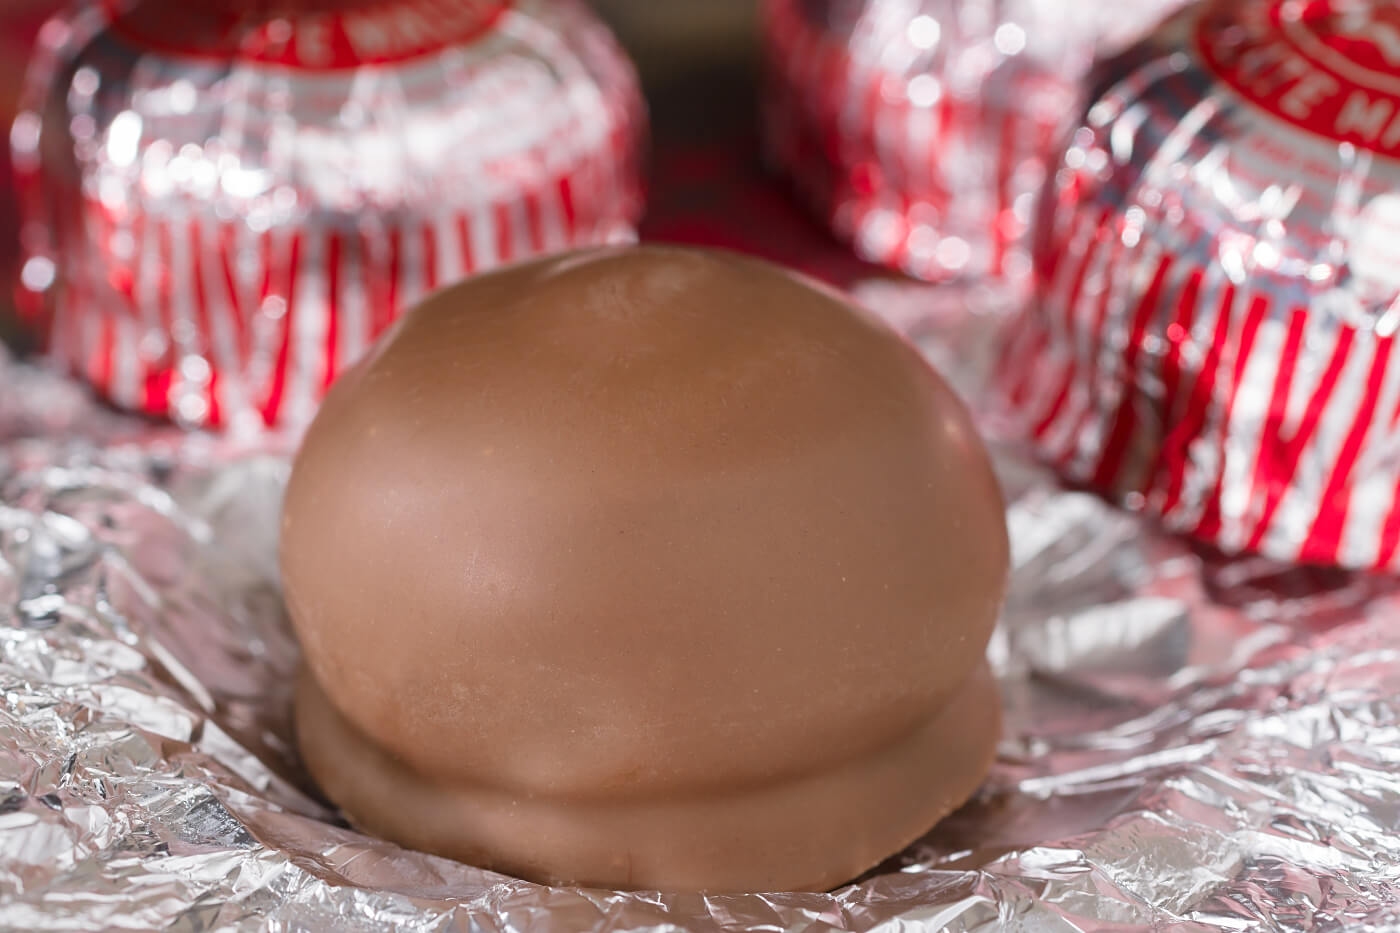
x=1189, y=746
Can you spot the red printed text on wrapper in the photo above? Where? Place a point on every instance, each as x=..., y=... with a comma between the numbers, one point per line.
x=306, y=34
x=1330, y=67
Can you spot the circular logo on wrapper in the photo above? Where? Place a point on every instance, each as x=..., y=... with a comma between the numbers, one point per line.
x=1331, y=67
x=311, y=35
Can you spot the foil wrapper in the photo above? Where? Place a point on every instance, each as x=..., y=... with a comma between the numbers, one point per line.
x=919, y=130
x=224, y=203
x=1213, y=339
x=1190, y=745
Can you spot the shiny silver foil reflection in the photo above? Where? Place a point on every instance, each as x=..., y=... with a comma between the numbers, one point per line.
x=1189, y=746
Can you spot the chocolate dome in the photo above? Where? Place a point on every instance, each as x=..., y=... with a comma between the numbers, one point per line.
x=647, y=568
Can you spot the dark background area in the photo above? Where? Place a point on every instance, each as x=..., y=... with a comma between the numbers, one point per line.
x=700, y=64
x=701, y=58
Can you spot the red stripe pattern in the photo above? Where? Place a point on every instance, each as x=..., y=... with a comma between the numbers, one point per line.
x=228, y=250
x=919, y=131
x=1235, y=378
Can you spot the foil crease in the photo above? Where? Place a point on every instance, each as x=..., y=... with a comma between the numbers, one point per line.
x=1190, y=745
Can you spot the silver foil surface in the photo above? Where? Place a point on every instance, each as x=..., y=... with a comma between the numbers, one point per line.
x=1190, y=745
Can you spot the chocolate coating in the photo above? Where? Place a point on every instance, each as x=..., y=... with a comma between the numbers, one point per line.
x=645, y=568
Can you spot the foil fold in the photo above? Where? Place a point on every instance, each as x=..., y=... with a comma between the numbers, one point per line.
x=1190, y=745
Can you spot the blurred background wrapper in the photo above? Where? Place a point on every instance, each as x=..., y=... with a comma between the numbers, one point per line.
x=919, y=129
x=20, y=21
x=224, y=204
x=1212, y=339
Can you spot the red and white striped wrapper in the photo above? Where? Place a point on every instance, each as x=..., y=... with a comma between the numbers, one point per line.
x=919, y=130
x=1214, y=332
x=225, y=203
